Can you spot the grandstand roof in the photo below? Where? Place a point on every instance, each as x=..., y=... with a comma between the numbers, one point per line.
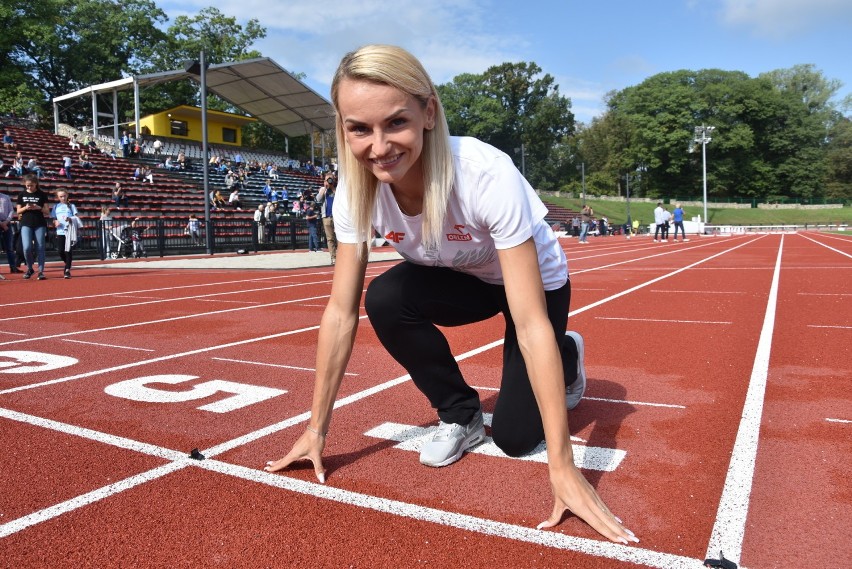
x=260, y=87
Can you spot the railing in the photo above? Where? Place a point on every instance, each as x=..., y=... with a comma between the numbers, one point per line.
x=161, y=237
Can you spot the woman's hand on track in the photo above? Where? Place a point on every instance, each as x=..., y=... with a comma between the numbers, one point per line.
x=573, y=492
x=309, y=447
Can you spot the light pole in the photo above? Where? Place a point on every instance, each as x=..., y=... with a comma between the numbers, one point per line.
x=200, y=68
x=702, y=137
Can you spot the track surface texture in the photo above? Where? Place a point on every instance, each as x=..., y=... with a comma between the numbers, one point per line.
x=718, y=417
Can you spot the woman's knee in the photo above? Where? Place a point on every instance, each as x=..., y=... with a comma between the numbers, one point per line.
x=515, y=441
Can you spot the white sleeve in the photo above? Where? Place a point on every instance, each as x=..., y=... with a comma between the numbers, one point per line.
x=344, y=226
x=507, y=204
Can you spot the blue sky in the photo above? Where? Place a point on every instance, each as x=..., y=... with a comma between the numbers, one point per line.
x=590, y=47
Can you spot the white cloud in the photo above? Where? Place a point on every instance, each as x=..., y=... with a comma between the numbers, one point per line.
x=785, y=19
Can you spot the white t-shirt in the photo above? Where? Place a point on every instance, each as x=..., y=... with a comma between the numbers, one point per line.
x=491, y=207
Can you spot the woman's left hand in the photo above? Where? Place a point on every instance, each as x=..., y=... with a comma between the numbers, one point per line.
x=572, y=492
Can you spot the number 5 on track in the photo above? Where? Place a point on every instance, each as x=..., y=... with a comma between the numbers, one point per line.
x=243, y=394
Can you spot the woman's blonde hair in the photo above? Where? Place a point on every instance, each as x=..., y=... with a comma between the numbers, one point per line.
x=397, y=68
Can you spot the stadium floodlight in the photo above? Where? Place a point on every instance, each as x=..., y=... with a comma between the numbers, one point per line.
x=702, y=137
x=200, y=68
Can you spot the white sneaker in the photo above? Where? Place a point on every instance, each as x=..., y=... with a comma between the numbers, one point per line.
x=451, y=440
x=574, y=392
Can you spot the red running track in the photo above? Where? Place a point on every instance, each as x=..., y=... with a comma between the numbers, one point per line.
x=718, y=417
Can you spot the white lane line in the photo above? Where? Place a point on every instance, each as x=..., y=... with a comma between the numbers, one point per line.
x=82, y=432
x=825, y=293
x=12, y=333
x=729, y=527
x=411, y=438
x=135, y=296
x=161, y=320
x=830, y=420
x=826, y=246
x=275, y=365
x=829, y=326
x=551, y=539
x=108, y=345
x=640, y=403
x=698, y=291
x=219, y=300
x=160, y=289
x=85, y=499
x=158, y=359
x=658, y=279
x=661, y=320
x=196, y=298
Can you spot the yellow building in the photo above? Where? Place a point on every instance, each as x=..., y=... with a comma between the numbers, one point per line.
x=184, y=122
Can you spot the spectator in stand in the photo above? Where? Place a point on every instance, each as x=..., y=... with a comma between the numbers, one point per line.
x=157, y=146
x=326, y=197
x=311, y=217
x=170, y=164
x=234, y=200
x=272, y=172
x=84, y=161
x=7, y=231
x=217, y=199
x=17, y=168
x=66, y=165
x=297, y=208
x=125, y=145
x=73, y=142
x=181, y=160
x=259, y=222
x=119, y=196
x=34, y=167
x=238, y=161
x=66, y=222
x=8, y=140
x=33, y=209
x=147, y=175
x=678, y=223
x=268, y=191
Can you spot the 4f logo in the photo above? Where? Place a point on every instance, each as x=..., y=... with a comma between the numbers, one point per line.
x=395, y=236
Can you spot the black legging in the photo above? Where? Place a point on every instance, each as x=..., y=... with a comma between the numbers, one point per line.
x=63, y=254
x=407, y=302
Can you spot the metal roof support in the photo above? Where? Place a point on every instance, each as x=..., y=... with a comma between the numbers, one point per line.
x=136, y=116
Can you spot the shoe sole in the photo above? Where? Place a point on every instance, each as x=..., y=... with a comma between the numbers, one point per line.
x=581, y=368
x=477, y=438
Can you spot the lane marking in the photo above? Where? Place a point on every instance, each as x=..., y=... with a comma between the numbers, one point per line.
x=12, y=333
x=218, y=300
x=660, y=320
x=107, y=345
x=551, y=539
x=89, y=498
x=825, y=293
x=411, y=438
x=274, y=365
x=827, y=246
x=160, y=321
x=629, y=402
x=829, y=326
x=197, y=298
x=830, y=420
x=159, y=359
x=729, y=527
x=697, y=291
x=160, y=289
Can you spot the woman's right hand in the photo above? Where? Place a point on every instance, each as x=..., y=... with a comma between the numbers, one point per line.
x=309, y=447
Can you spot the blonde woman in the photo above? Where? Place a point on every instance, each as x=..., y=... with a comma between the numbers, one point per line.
x=66, y=222
x=475, y=244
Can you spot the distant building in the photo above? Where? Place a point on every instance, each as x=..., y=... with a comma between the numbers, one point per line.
x=184, y=122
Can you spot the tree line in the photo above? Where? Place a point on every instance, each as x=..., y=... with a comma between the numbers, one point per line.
x=777, y=136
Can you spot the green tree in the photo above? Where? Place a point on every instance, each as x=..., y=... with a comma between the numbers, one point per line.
x=513, y=106
x=57, y=46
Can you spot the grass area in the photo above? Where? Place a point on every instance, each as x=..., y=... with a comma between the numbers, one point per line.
x=616, y=212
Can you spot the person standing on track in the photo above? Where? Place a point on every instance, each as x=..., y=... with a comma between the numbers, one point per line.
x=475, y=243
x=659, y=221
x=677, y=216
x=66, y=222
x=325, y=197
x=33, y=211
